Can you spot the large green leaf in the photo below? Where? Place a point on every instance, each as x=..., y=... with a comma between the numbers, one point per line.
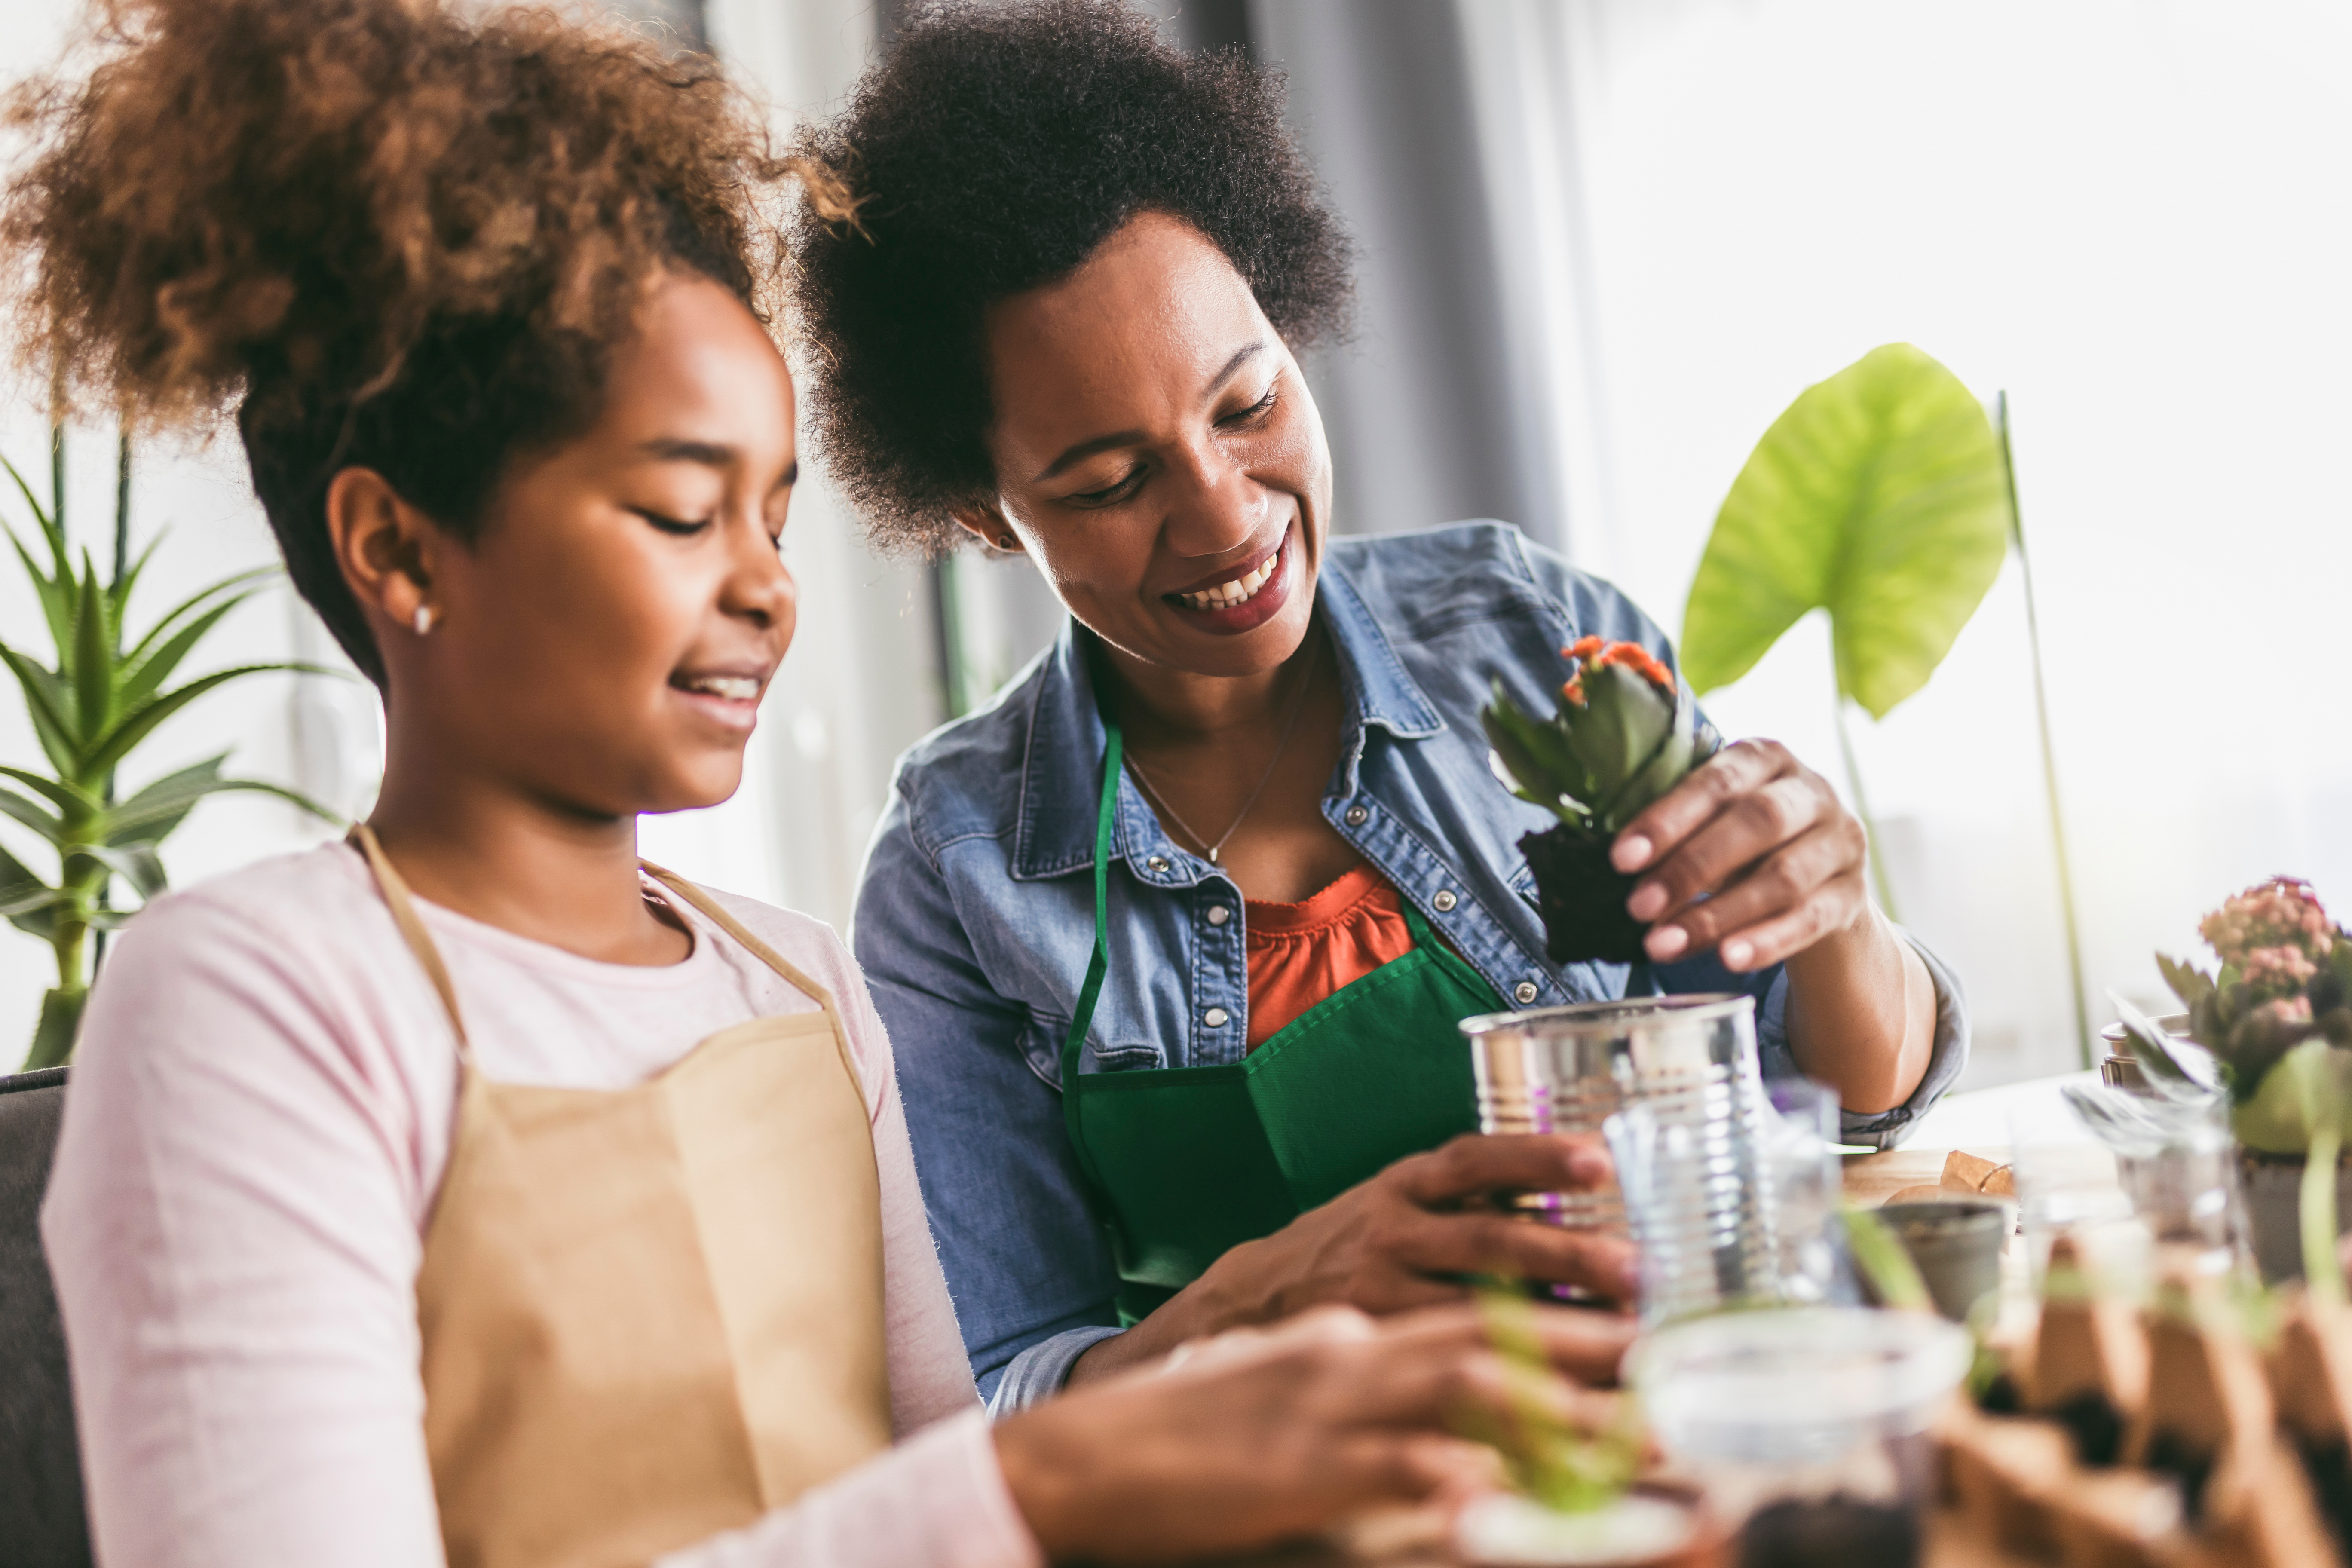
x=1878, y=496
x=45, y=823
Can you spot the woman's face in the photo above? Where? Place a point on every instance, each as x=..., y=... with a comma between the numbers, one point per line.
x=604, y=645
x=1157, y=452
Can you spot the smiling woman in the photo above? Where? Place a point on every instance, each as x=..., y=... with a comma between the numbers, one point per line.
x=1222, y=1081
x=474, y=1191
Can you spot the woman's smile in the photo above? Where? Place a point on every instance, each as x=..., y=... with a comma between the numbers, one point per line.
x=728, y=696
x=1235, y=600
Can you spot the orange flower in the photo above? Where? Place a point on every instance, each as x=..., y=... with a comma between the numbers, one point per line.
x=1573, y=692
x=1594, y=654
x=1583, y=648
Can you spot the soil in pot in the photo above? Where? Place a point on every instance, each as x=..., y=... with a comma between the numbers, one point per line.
x=1582, y=898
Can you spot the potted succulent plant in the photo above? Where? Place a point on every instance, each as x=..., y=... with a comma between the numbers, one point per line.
x=1623, y=732
x=2275, y=1020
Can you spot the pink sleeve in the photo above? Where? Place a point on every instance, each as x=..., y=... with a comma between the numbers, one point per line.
x=235, y=1242
x=930, y=1377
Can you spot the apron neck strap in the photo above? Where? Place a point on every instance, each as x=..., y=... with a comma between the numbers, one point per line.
x=412, y=929
x=710, y=909
x=1099, y=967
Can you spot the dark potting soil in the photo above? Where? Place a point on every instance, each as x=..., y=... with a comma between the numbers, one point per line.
x=1836, y=1532
x=2329, y=1465
x=1582, y=898
x=2193, y=1468
x=2094, y=1424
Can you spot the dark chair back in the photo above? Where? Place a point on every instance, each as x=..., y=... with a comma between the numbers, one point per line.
x=41, y=1520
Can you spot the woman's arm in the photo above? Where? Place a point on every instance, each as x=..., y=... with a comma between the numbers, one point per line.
x=1754, y=855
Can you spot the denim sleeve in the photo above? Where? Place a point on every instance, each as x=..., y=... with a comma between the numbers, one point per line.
x=1025, y=1261
x=1880, y=1130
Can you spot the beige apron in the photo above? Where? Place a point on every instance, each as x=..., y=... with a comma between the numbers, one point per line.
x=649, y=1314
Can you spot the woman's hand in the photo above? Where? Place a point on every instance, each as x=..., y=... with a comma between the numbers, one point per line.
x=1754, y=855
x=1401, y=1239
x=1260, y=1434
x=1764, y=841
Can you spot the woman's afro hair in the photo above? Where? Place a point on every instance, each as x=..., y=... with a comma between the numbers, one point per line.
x=992, y=152
x=391, y=233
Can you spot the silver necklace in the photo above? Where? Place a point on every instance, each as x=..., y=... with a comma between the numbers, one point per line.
x=1160, y=802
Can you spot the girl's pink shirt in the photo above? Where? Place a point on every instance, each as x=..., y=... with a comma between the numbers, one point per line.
x=259, y=1117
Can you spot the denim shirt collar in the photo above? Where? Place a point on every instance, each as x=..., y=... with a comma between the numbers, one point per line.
x=1061, y=772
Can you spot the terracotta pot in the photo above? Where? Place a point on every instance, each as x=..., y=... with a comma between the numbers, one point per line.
x=2271, y=1185
x=1956, y=1244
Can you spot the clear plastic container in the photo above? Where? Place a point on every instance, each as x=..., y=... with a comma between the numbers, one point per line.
x=1808, y=1422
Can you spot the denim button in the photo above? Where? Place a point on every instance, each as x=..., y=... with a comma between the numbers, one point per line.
x=1357, y=816
x=1445, y=901
x=1524, y=992
x=1157, y=862
x=1214, y=1017
x=1219, y=914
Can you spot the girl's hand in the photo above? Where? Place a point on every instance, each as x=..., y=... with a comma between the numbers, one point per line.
x=1764, y=841
x=1265, y=1434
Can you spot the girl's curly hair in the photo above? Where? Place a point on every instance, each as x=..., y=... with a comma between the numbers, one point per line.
x=992, y=154
x=391, y=234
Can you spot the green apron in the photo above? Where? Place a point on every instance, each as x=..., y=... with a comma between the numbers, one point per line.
x=1187, y=1162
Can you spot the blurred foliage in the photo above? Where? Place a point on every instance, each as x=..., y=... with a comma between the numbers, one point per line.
x=90, y=710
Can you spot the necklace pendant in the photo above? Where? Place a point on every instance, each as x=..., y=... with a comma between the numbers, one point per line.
x=1212, y=854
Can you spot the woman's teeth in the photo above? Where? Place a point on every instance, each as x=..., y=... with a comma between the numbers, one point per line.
x=1225, y=596
x=733, y=688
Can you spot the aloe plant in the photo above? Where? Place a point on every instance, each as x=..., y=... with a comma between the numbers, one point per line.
x=90, y=710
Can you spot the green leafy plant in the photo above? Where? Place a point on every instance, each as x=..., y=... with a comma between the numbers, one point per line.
x=90, y=710
x=1623, y=733
x=1884, y=497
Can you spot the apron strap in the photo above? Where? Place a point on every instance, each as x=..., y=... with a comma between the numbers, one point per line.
x=1099, y=967
x=718, y=916
x=412, y=929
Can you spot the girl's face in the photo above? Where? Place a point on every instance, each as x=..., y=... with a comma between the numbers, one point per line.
x=1157, y=452
x=604, y=645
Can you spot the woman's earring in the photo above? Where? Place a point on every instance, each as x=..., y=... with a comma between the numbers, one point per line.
x=424, y=621
x=1006, y=542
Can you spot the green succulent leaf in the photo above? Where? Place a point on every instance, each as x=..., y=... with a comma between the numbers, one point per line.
x=69, y=798
x=57, y=598
x=189, y=606
x=154, y=813
x=1879, y=497
x=141, y=676
x=1624, y=721
x=2188, y=983
x=60, y=558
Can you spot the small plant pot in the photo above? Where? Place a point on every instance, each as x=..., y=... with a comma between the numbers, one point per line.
x=1956, y=1245
x=2271, y=1185
x=1582, y=898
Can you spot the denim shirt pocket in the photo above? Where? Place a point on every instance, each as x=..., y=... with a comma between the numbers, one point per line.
x=1041, y=1043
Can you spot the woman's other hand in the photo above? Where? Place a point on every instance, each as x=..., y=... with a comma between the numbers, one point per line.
x=1754, y=855
x=1407, y=1237
x=1260, y=1434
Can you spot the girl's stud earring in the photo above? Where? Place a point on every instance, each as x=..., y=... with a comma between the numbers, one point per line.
x=1005, y=541
x=423, y=622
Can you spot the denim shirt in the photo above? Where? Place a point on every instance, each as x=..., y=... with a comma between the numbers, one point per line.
x=975, y=918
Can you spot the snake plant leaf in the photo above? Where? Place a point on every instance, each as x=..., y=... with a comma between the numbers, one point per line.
x=48, y=824
x=1880, y=497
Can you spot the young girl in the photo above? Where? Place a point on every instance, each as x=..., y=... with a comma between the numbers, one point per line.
x=468, y=1187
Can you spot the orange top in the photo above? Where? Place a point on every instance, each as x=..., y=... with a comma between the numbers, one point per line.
x=1300, y=954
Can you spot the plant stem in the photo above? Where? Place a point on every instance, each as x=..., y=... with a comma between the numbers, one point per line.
x=2049, y=755
x=1878, y=877
x=2316, y=1208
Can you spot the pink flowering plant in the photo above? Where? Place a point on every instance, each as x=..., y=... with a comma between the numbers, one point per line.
x=2284, y=991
